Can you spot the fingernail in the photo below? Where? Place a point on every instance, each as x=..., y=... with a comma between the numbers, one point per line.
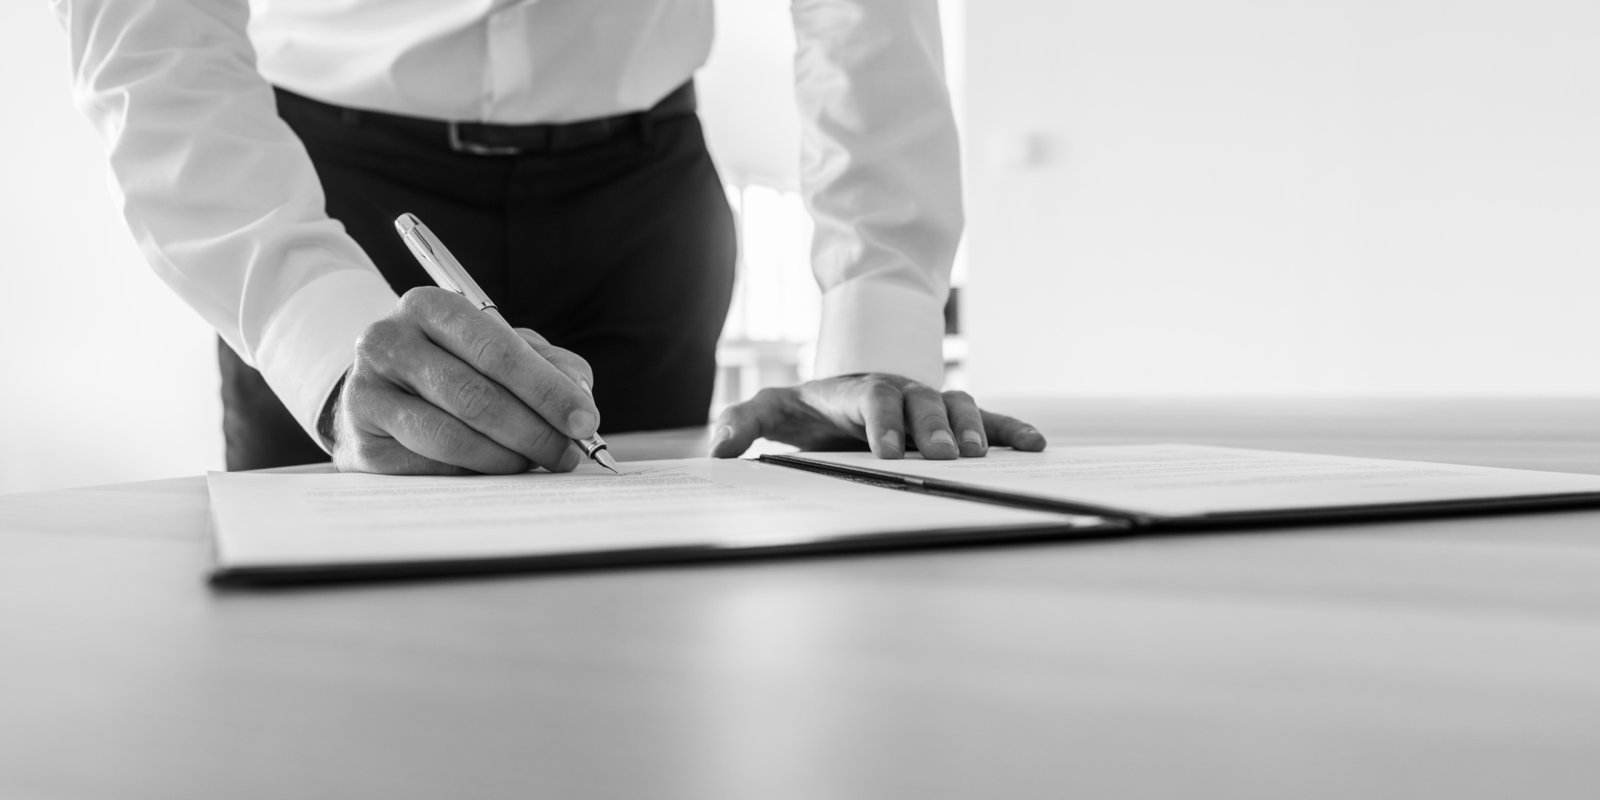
x=570, y=460
x=723, y=434
x=581, y=423
x=891, y=441
x=972, y=437
x=942, y=438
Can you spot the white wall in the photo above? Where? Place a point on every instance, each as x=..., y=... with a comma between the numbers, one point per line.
x=106, y=377
x=1353, y=197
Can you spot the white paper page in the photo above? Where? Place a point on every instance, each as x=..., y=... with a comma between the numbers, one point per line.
x=1180, y=480
x=331, y=518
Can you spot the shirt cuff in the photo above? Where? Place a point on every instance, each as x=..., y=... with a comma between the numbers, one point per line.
x=310, y=342
x=873, y=326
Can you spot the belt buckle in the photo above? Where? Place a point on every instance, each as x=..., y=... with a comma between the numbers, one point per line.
x=461, y=145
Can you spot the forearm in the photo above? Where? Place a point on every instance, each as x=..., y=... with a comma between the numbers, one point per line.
x=218, y=192
x=880, y=170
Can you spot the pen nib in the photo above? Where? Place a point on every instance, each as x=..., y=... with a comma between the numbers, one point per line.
x=605, y=460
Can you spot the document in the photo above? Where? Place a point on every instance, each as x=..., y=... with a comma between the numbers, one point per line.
x=317, y=526
x=329, y=524
x=1172, y=482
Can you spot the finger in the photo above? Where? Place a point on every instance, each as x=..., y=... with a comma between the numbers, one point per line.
x=1007, y=431
x=485, y=406
x=572, y=459
x=491, y=347
x=385, y=456
x=967, y=423
x=362, y=446
x=741, y=424
x=428, y=431
x=883, y=414
x=571, y=364
x=930, y=428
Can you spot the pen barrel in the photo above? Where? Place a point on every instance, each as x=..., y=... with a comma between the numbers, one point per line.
x=440, y=264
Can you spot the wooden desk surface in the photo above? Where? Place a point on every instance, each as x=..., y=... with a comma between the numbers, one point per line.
x=1451, y=658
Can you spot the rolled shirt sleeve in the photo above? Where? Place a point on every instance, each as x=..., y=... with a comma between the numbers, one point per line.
x=880, y=173
x=219, y=193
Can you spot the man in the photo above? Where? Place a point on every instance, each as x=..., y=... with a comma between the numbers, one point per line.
x=553, y=146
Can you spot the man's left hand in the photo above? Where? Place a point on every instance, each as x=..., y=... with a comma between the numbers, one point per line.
x=878, y=409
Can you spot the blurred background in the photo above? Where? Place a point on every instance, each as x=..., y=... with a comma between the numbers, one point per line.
x=1228, y=198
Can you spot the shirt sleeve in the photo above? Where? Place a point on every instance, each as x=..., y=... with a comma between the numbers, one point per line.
x=881, y=175
x=219, y=192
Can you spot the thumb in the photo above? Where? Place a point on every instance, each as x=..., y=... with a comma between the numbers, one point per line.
x=742, y=424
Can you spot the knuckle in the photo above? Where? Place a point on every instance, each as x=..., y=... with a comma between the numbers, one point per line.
x=378, y=339
x=546, y=445
x=881, y=388
x=436, y=428
x=410, y=303
x=417, y=300
x=930, y=420
x=769, y=395
x=490, y=354
x=425, y=429
x=548, y=402
x=959, y=397
x=473, y=398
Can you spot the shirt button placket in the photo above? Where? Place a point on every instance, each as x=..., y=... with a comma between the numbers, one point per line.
x=507, y=63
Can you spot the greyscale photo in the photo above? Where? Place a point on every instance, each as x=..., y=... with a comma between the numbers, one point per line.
x=806, y=400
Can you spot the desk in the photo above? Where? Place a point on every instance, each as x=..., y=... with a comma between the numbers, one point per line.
x=1451, y=658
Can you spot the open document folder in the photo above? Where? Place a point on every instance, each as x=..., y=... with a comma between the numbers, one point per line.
x=294, y=527
x=334, y=525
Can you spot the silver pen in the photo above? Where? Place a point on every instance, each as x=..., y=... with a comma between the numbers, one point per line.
x=449, y=274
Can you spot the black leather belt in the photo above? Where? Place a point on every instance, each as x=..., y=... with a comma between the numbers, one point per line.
x=488, y=139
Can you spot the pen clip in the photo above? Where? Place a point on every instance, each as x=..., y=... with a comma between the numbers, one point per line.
x=440, y=265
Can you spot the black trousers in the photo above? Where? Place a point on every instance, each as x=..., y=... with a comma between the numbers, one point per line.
x=621, y=251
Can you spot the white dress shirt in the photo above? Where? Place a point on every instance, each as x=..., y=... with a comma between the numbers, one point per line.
x=226, y=206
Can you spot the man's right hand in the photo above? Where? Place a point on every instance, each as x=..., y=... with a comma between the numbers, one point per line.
x=440, y=387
